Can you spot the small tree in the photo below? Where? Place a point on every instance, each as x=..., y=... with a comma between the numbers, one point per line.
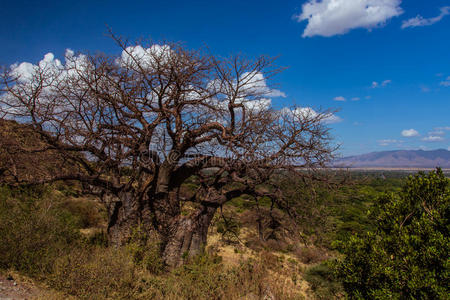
x=407, y=256
x=136, y=126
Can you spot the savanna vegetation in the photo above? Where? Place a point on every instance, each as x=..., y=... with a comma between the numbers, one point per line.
x=365, y=241
x=162, y=174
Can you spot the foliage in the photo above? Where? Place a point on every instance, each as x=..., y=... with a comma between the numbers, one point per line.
x=404, y=255
x=144, y=247
x=33, y=232
x=407, y=255
x=39, y=236
x=323, y=282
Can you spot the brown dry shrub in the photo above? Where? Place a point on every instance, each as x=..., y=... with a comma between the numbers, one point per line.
x=310, y=255
x=111, y=274
x=97, y=273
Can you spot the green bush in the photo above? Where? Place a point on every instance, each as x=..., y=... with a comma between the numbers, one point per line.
x=87, y=212
x=323, y=282
x=32, y=231
x=145, y=247
x=407, y=255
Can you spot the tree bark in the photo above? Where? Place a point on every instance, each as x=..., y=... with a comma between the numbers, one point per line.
x=126, y=213
x=181, y=236
x=187, y=236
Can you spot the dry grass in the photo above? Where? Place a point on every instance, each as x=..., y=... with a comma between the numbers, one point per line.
x=87, y=269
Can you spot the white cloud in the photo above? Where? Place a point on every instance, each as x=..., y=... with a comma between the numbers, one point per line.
x=308, y=112
x=339, y=98
x=45, y=76
x=436, y=132
x=410, y=132
x=421, y=21
x=356, y=99
x=375, y=84
x=368, y=97
x=433, y=138
x=255, y=83
x=136, y=56
x=388, y=142
x=255, y=94
x=386, y=82
x=332, y=17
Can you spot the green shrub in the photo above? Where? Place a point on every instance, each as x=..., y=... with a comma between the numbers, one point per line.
x=32, y=231
x=407, y=255
x=323, y=282
x=144, y=248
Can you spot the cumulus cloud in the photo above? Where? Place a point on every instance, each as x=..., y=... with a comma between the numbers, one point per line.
x=136, y=56
x=339, y=98
x=332, y=17
x=310, y=113
x=46, y=75
x=421, y=21
x=410, y=132
x=356, y=99
x=255, y=93
x=255, y=83
x=257, y=105
x=433, y=138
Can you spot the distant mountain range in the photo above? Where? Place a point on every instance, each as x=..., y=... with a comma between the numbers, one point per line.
x=398, y=159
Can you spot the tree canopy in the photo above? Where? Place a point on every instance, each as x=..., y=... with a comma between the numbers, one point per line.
x=407, y=256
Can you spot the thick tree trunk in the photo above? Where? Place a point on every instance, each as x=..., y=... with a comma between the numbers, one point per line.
x=125, y=213
x=187, y=236
x=181, y=236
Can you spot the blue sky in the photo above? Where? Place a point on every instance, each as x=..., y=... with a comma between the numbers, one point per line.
x=389, y=59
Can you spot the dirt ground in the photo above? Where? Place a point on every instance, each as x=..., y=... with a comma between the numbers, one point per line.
x=14, y=288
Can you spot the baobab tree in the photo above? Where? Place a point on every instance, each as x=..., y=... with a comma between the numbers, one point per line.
x=136, y=126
